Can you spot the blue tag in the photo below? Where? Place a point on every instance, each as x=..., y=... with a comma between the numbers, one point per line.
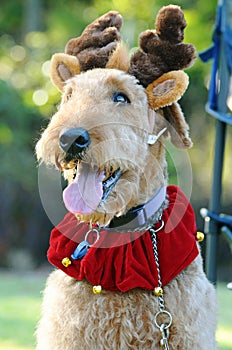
x=80, y=250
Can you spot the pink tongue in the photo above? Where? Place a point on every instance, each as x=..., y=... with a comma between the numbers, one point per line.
x=84, y=194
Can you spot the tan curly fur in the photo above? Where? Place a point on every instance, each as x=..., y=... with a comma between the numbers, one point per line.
x=73, y=318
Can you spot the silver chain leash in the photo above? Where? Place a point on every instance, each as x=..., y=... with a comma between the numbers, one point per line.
x=162, y=326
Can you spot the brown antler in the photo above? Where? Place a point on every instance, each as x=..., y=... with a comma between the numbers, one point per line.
x=99, y=46
x=97, y=42
x=162, y=49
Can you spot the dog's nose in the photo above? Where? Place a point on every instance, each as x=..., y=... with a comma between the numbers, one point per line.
x=74, y=140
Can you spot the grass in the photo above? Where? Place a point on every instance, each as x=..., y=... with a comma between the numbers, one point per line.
x=20, y=300
x=224, y=332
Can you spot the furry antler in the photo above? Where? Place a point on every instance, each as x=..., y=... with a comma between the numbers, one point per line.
x=162, y=49
x=99, y=46
x=97, y=42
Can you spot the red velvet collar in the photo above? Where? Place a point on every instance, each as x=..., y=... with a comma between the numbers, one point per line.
x=123, y=261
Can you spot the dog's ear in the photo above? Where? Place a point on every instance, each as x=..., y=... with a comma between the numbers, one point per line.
x=167, y=89
x=177, y=127
x=63, y=67
x=163, y=94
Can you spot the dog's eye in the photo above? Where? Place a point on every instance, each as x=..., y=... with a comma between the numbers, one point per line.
x=120, y=97
x=68, y=95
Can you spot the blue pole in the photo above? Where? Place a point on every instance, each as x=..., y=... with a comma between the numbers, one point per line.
x=223, y=80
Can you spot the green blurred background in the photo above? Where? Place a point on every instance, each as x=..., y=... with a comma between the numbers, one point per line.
x=30, y=32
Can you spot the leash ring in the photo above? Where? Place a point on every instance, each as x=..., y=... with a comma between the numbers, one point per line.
x=159, y=313
x=159, y=228
x=94, y=230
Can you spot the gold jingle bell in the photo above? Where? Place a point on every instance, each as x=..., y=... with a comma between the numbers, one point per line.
x=97, y=289
x=66, y=262
x=158, y=291
x=200, y=236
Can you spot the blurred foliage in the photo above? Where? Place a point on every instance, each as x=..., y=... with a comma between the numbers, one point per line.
x=30, y=32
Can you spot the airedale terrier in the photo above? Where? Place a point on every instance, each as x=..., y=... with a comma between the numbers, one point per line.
x=129, y=271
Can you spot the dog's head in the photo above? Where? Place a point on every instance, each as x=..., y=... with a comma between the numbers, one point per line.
x=107, y=135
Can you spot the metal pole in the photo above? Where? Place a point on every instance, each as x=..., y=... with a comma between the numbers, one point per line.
x=213, y=229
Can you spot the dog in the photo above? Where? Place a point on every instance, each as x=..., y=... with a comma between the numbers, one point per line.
x=129, y=271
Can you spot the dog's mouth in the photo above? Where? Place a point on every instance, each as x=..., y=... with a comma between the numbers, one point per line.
x=109, y=183
x=89, y=189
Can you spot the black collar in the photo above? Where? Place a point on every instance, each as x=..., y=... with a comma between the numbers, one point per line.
x=142, y=215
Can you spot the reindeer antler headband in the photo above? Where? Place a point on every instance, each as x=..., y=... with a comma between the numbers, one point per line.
x=157, y=65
